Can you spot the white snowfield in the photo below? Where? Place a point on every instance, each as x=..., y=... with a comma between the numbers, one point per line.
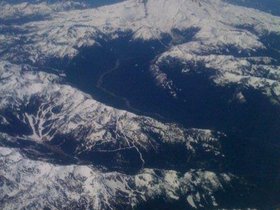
x=32, y=184
x=62, y=33
x=59, y=109
x=221, y=26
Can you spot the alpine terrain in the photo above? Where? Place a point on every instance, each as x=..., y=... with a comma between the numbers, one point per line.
x=139, y=104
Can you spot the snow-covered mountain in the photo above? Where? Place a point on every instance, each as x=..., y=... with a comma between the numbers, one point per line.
x=65, y=146
x=32, y=184
x=48, y=121
x=227, y=40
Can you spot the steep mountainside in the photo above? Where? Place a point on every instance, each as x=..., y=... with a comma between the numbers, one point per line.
x=155, y=104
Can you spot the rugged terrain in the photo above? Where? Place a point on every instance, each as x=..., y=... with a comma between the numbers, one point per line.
x=154, y=104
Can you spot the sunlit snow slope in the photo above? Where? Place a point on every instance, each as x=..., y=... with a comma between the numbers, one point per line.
x=207, y=139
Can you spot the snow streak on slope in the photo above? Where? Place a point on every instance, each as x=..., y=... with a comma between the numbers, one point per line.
x=49, y=108
x=64, y=32
x=85, y=187
x=231, y=29
x=115, y=158
x=56, y=108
